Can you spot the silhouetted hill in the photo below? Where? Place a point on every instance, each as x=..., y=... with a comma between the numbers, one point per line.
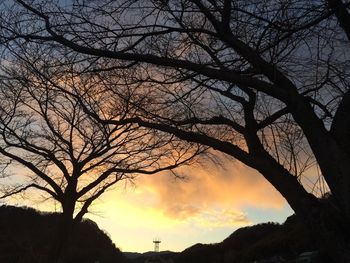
x=149, y=256
x=247, y=244
x=253, y=243
x=26, y=235
x=132, y=255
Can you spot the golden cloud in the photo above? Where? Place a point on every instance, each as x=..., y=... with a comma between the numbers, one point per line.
x=220, y=218
x=211, y=195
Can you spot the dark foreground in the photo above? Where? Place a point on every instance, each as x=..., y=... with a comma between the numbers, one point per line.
x=26, y=236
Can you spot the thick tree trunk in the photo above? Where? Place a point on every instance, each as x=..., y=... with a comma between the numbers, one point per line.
x=331, y=230
x=325, y=220
x=333, y=160
x=340, y=128
x=65, y=228
x=326, y=223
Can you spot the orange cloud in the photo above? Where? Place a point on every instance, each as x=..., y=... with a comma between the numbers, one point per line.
x=220, y=218
x=211, y=196
x=210, y=193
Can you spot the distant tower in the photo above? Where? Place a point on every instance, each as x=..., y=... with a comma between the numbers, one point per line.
x=156, y=242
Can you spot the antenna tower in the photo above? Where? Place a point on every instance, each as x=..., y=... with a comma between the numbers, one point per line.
x=156, y=242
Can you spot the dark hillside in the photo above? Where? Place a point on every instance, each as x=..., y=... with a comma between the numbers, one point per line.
x=246, y=245
x=26, y=236
x=254, y=243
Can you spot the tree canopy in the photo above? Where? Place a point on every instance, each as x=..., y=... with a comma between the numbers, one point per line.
x=266, y=82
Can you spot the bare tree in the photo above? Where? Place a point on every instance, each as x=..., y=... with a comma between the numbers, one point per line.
x=266, y=82
x=68, y=155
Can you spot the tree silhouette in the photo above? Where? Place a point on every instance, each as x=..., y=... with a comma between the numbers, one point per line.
x=266, y=82
x=68, y=155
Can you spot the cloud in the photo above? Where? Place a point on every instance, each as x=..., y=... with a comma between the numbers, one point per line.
x=212, y=195
x=219, y=218
x=206, y=207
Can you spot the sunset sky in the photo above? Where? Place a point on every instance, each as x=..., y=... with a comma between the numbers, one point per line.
x=206, y=207
x=130, y=114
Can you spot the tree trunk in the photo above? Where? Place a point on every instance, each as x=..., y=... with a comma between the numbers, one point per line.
x=327, y=222
x=65, y=228
x=331, y=230
x=334, y=162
